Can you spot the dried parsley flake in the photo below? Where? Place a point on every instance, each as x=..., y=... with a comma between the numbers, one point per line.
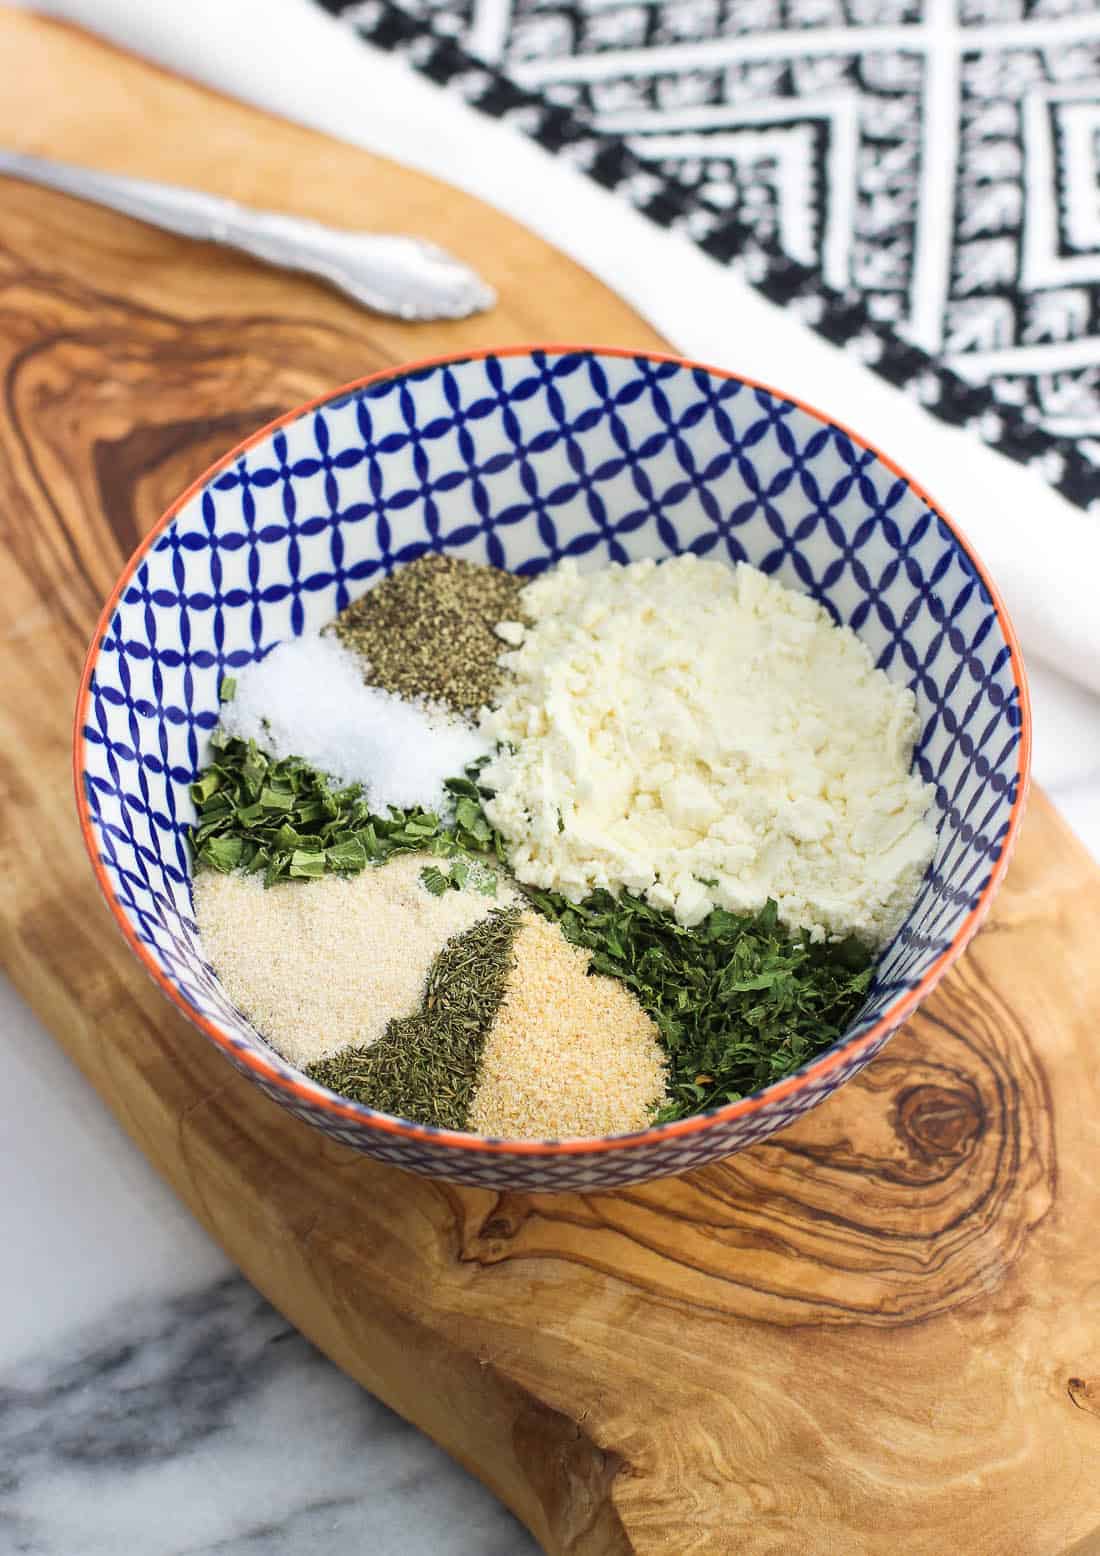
x=739, y=1001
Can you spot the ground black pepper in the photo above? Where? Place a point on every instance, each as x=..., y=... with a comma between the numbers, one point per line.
x=428, y=630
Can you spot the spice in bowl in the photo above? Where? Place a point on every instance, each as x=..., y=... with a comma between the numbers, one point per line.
x=566, y=857
x=429, y=630
x=567, y=1053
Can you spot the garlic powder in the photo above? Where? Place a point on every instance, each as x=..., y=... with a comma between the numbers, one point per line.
x=319, y=966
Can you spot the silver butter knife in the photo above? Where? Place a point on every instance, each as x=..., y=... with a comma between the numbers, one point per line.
x=405, y=277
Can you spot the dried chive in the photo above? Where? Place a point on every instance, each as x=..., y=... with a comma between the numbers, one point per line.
x=428, y=630
x=433, y=880
x=425, y=1067
x=295, y=823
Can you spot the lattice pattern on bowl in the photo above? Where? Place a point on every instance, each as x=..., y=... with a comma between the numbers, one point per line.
x=519, y=459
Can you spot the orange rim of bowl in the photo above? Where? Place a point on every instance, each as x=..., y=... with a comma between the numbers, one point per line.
x=315, y=1096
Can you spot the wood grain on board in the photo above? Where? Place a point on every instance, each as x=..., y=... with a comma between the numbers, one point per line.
x=877, y=1331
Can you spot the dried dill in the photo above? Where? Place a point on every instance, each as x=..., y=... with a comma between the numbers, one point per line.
x=428, y=630
x=425, y=1066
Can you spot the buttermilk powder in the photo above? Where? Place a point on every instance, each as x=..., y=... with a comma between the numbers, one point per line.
x=702, y=736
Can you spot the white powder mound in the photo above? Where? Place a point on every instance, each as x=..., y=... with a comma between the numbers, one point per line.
x=702, y=736
x=321, y=965
x=307, y=699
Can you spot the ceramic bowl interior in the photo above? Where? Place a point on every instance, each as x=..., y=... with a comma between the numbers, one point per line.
x=521, y=458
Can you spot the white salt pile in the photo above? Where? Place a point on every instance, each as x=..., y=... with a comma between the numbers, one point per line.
x=307, y=699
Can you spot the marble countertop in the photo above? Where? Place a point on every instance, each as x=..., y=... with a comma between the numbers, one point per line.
x=152, y=1404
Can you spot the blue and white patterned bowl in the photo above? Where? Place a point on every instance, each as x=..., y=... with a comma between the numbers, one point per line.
x=519, y=458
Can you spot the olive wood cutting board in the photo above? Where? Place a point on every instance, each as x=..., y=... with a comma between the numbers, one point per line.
x=878, y=1331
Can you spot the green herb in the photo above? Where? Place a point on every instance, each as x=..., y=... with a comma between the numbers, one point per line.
x=739, y=1001
x=291, y=822
x=223, y=853
x=307, y=865
x=463, y=872
x=425, y=1066
x=433, y=880
x=228, y=689
x=348, y=857
x=206, y=787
